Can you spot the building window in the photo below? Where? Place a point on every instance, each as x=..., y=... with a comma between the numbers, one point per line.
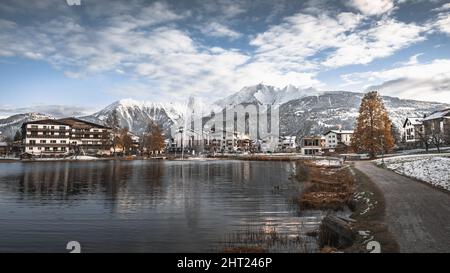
x=43, y=141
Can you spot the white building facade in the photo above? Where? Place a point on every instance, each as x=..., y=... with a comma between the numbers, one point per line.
x=334, y=138
x=46, y=137
x=312, y=145
x=56, y=138
x=413, y=129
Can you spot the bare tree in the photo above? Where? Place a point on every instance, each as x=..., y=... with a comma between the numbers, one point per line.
x=424, y=139
x=126, y=142
x=113, y=122
x=153, y=140
x=437, y=139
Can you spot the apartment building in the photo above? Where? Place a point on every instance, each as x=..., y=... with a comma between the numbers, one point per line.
x=46, y=137
x=65, y=136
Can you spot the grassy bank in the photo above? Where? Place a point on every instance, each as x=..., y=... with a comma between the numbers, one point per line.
x=325, y=187
x=333, y=188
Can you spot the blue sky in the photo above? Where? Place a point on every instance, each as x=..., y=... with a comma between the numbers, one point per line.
x=81, y=58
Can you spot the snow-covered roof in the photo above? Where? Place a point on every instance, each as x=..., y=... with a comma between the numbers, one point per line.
x=438, y=114
x=339, y=132
x=413, y=120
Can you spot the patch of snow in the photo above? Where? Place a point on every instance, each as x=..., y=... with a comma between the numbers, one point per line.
x=328, y=162
x=433, y=169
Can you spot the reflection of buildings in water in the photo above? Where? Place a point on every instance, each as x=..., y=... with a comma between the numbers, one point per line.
x=143, y=187
x=126, y=185
x=64, y=179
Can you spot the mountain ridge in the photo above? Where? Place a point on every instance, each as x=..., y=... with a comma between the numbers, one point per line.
x=312, y=110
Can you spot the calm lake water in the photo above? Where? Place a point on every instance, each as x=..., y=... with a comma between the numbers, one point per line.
x=145, y=206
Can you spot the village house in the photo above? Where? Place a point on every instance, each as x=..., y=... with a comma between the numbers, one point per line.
x=336, y=138
x=57, y=138
x=287, y=143
x=312, y=145
x=4, y=148
x=437, y=125
x=413, y=132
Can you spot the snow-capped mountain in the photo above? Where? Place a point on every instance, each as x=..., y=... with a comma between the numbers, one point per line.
x=265, y=94
x=136, y=115
x=10, y=125
x=339, y=109
x=302, y=111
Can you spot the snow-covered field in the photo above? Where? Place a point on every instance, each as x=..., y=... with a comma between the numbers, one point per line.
x=434, y=169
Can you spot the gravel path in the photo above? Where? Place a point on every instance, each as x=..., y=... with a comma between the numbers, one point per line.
x=416, y=214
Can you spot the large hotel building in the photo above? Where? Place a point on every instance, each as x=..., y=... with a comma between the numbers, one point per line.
x=61, y=137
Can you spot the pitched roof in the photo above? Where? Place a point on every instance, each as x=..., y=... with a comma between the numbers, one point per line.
x=339, y=132
x=413, y=120
x=438, y=114
x=45, y=121
x=78, y=123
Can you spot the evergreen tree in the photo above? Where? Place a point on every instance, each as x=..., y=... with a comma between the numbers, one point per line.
x=373, y=133
x=113, y=122
x=18, y=136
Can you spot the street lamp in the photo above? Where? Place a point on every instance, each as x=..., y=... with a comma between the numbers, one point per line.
x=182, y=142
x=382, y=149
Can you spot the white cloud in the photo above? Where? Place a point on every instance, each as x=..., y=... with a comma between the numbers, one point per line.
x=372, y=7
x=305, y=41
x=219, y=30
x=147, y=43
x=166, y=59
x=444, y=7
x=381, y=40
x=52, y=110
x=420, y=81
x=413, y=60
x=443, y=22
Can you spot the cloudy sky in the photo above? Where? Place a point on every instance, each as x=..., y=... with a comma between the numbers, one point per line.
x=88, y=56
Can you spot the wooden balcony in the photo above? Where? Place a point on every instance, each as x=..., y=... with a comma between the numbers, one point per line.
x=47, y=136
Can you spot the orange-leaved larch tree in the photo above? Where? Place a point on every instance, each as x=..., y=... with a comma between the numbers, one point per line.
x=373, y=133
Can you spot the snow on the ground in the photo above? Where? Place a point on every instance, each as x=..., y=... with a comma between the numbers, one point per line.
x=82, y=157
x=434, y=169
x=328, y=162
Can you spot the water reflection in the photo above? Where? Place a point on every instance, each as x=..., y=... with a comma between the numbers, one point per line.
x=142, y=206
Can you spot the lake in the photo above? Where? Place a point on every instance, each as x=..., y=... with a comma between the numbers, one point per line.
x=147, y=206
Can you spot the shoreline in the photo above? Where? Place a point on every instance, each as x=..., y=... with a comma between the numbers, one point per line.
x=254, y=157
